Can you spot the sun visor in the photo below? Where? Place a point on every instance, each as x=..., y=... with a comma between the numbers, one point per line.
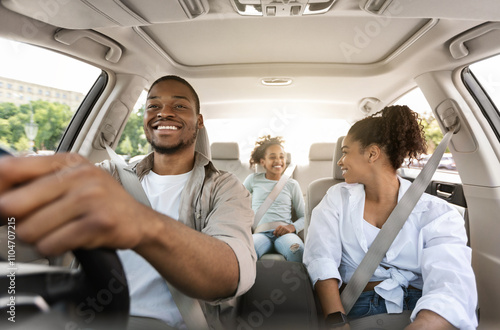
x=90, y=14
x=486, y=10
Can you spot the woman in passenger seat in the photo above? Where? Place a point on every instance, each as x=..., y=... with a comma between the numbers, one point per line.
x=427, y=269
x=275, y=228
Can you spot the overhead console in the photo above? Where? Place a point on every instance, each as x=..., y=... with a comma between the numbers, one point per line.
x=281, y=7
x=98, y=13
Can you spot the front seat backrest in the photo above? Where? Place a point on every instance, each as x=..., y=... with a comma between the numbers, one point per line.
x=319, y=165
x=281, y=298
x=318, y=188
x=202, y=143
x=226, y=157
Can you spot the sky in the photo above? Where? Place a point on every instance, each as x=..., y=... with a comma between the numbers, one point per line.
x=37, y=65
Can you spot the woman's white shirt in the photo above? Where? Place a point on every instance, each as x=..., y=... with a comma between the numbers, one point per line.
x=430, y=253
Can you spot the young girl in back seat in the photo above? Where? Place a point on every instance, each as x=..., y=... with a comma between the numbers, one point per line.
x=275, y=228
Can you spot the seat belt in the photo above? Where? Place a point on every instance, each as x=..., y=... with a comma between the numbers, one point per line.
x=391, y=228
x=189, y=308
x=272, y=195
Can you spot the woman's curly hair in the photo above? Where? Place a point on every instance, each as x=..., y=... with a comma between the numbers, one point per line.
x=396, y=129
x=261, y=145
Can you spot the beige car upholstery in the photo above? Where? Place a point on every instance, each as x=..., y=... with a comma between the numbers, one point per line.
x=226, y=157
x=318, y=188
x=319, y=166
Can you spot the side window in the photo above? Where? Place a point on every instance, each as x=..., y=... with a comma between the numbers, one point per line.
x=483, y=80
x=416, y=101
x=133, y=144
x=33, y=115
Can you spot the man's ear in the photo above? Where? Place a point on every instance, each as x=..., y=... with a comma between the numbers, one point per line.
x=200, y=121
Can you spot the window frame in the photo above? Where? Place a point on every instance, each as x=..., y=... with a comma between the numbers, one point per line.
x=75, y=125
x=483, y=100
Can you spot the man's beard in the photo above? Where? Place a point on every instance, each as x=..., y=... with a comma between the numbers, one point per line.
x=168, y=150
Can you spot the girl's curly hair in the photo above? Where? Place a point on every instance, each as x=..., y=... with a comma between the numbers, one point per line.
x=261, y=145
x=396, y=129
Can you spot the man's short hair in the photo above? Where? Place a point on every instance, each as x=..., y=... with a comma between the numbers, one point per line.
x=182, y=81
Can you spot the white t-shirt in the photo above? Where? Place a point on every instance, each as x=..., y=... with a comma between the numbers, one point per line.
x=149, y=294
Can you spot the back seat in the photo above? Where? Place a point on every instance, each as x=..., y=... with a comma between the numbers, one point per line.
x=319, y=166
x=226, y=157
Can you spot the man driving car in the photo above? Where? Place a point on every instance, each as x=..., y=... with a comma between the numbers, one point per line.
x=197, y=235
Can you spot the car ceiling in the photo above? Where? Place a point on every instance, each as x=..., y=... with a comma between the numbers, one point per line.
x=387, y=43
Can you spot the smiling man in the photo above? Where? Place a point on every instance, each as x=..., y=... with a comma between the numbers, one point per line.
x=169, y=133
x=197, y=234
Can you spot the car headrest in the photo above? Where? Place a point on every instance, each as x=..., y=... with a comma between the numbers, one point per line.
x=202, y=143
x=322, y=151
x=225, y=150
x=337, y=154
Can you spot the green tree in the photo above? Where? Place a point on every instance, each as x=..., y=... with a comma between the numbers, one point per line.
x=5, y=133
x=126, y=147
x=8, y=110
x=432, y=131
x=17, y=127
x=133, y=132
x=23, y=144
x=52, y=120
x=4, y=143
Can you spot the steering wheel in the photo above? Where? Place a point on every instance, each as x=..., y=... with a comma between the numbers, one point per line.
x=36, y=296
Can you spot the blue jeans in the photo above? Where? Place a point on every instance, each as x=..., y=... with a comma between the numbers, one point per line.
x=370, y=303
x=289, y=246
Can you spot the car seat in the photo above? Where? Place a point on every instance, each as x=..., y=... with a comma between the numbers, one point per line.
x=319, y=166
x=318, y=188
x=226, y=157
x=281, y=298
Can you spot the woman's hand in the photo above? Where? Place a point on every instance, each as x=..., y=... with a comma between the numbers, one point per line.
x=282, y=230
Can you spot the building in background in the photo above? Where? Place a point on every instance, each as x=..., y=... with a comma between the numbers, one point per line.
x=21, y=92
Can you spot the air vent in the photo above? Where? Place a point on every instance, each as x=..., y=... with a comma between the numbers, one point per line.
x=272, y=8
